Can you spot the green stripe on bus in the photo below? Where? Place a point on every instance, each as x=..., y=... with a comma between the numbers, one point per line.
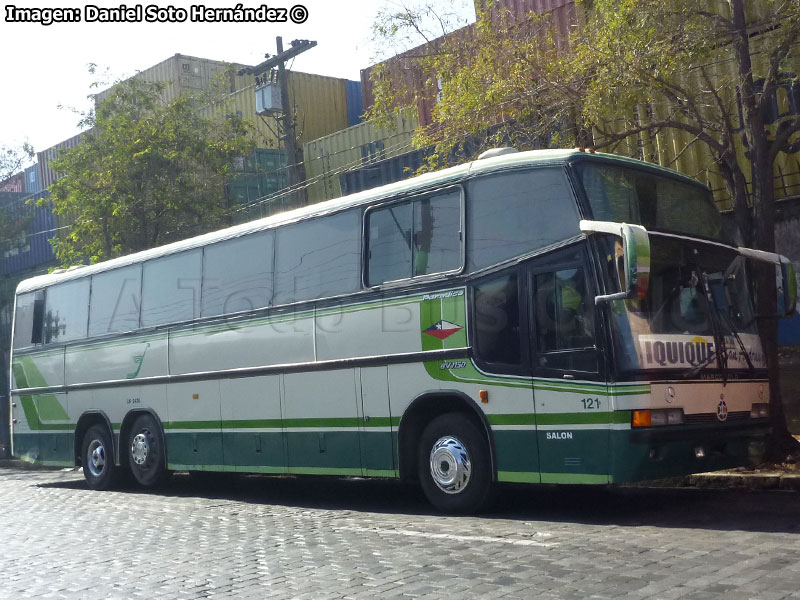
x=380, y=473
x=283, y=470
x=575, y=478
x=252, y=424
x=192, y=425
x=517, y=477
x=325, y=471
x=52, y=426
x=183, y=467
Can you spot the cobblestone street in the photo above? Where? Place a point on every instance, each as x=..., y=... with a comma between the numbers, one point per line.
x=259, y=537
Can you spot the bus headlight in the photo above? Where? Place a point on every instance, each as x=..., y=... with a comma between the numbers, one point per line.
x=657, y=417
x=759, y=411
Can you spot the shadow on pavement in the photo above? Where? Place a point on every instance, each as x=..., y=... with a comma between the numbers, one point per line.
x=714, y=509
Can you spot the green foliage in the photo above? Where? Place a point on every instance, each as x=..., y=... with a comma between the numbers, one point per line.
x=14, y=228
x=12, y=159
x=14, y=224
x=501, y=81
x=630, y=71
x=654, y=65
x=399, y=27
x=148, y=172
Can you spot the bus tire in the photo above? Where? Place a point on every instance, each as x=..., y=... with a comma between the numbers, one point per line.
x=97, y=458
x=454, y=465
x=146, y=451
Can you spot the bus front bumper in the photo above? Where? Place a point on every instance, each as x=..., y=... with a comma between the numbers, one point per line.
x=661, y=452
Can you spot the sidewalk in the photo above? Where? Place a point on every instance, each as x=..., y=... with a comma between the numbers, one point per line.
x=785, y=476
x=750, y=479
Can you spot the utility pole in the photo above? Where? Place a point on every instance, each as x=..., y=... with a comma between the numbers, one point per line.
x=294, y=162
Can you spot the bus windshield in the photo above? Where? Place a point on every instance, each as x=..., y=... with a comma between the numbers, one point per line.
x=697, y=313
x=626, y=195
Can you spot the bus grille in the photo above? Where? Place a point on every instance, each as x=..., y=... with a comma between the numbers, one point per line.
x=699, y=418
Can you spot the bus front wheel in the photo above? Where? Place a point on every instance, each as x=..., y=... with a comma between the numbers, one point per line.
x=146, y=455
x=97, y=458
x=453, y=464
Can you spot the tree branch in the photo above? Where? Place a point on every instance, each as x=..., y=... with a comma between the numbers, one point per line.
x=781, y=141
x=776, y=58
x=656, y=126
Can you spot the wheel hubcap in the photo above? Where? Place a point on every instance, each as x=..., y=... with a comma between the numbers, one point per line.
x=97, y=458
x=450, y=465
x=140, y=447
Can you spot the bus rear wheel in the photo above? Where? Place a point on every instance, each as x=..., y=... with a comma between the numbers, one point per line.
x=453, y=464
x=97, y=458
x=146, y=452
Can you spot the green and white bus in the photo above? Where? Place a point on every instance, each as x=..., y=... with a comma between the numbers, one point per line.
x=541, y=317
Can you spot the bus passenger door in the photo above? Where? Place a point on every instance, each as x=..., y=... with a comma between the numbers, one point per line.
x=572, y=403
x=376, y=429
x=499, y=340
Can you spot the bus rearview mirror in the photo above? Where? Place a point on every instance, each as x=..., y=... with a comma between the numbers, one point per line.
x=787, y=294
x=633, y=264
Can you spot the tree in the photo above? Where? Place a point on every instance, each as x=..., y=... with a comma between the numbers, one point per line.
x=12, y=159
x=499, y=81
x=714, y=74
x=632, y=67
x=15, y=218
x=148, y=172
x=632, y=75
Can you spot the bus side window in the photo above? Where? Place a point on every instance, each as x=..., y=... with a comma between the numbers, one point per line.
x=564, y=324
x=115, y=300
x=514, y=212
x=38, y=319
x=171, y=288
x=422, y=236
x=237, y=274
x=29, y=319
x=497, y=320
x=66, y=314
x=318, y=258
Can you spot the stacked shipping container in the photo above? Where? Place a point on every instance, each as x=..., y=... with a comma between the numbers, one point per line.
x=329, y=158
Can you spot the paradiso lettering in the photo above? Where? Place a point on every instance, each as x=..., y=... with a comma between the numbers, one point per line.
x=685, y=351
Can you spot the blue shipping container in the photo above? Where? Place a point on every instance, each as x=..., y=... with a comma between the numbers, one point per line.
x=355, y=104
x=32, y=249
x=382, y=172
x=33, y=184
x=789, y=330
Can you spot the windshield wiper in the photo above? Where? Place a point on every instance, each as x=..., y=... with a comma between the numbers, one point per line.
x=720, y=305
x=722, y=363
x=738, y=339
x=699, y=367
x=721, y=354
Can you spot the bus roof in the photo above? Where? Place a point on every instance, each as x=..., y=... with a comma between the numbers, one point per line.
x=422, y=182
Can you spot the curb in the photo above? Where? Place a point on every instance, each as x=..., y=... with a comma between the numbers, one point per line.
x=753, y=481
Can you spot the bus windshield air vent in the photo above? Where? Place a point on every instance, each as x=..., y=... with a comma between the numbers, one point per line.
x=491, y=153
